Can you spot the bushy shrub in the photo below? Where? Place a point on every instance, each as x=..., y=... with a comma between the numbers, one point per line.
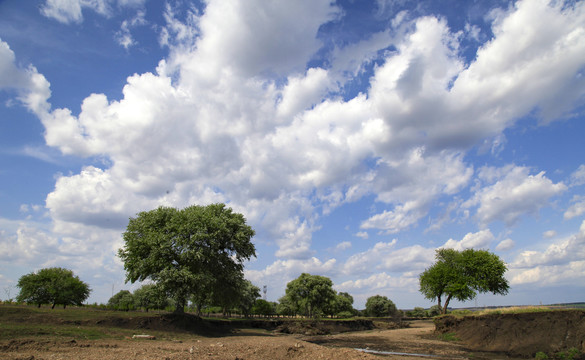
x=345, y=314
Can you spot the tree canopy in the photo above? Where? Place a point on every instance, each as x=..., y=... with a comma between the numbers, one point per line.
x=122, y=300
x=461, y=275
x=380, y=306
x=52, y=286
x=196, y=250
x=308, y=295
x=150, y=296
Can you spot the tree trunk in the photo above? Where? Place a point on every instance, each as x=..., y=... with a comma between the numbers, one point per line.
x=179, y=307
x=444, y=311
x=439, y=303
x=53, y=306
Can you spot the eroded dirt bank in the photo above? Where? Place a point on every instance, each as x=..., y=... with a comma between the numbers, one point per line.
x=522, y=334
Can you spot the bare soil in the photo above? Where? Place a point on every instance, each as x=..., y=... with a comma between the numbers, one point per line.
x=28, y=334
x=244, y=344
x=520, y=334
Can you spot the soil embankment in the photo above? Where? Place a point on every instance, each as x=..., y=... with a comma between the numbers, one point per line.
x=521, y=334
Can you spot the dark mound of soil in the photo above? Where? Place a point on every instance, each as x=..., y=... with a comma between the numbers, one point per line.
x=325, y=327
x=522, y=334
x=218, y=327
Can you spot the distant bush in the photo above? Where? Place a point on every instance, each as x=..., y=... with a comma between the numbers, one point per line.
x=345, y=315
x=540, y=356
x=123, y=301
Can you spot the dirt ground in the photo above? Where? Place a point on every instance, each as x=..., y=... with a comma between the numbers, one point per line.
x=248, y=344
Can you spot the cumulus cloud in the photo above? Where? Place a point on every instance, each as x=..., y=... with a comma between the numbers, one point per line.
x=230, y=133
x=510, y=193
x=478, y=240
x=385, y=257
x=577, y=207
x=559, y=253
x=32, y=88
x=235, y=114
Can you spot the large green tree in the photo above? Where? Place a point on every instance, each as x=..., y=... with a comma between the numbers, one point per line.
x=463, y=274
x=380, y=306
x=52, y=286
x=195, y=250
x=309, y=295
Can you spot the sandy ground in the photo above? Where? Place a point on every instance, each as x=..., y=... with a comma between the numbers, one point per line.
x=252, y=344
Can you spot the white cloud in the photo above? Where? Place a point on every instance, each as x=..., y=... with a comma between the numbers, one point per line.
x=68, y=11
x=549, y=234
x=479, y=240
x=554, y=275
x=380, y=282
x=560, y=252
x=343, y=245
x=413, y=183
x=32, y=87
x=385, y=257
x=71, y=11
x=511, y=193
x=578, y=177
x=577, y=208
x=277, y=152
x=505, y=245
x=124, y=36
x=362, y=234
x=234, y=115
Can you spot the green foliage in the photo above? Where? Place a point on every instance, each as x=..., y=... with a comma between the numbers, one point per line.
x=263, y=307
x=285, y=307
x=342, y=305
x=122, y=300
x=197, y=250
x=448, y=337
x=309, y=295
x=540, y=356
x=417, y=312
x=149, y=297
x=248, y=295
x=345, y=314
x=52, y=286
x=570, y=354
x=380, y=306
x=434, y=311
x=461, y=275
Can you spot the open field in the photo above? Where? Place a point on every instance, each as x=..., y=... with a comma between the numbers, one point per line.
x=31, y=333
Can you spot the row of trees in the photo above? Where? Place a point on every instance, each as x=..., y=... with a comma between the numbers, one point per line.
x=197, y=254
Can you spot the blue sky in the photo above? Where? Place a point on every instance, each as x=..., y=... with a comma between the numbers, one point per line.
x=357, y=137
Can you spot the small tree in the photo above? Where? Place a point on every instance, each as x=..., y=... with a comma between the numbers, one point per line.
x=122, y=300
x=248, y=295
x=52, y=286
x=461, y=275
x=150, y=296
x=310, y=295
x=380, y=306
x=263, y=307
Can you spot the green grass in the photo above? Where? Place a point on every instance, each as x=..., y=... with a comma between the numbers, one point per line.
x=17, y=322
x=448, y=337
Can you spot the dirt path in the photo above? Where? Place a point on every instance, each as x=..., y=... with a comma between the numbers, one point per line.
x=417, y=339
